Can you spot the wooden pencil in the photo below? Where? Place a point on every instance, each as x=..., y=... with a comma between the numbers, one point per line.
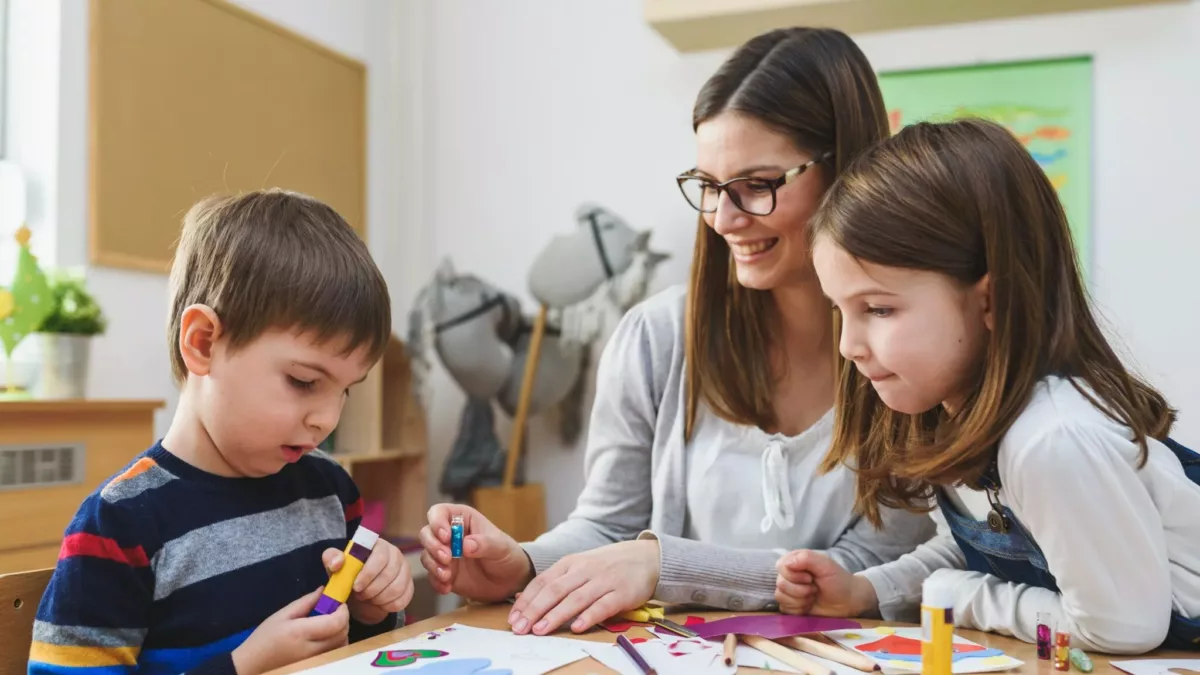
x=831, y=652
x=730, y=646
x=788, y=656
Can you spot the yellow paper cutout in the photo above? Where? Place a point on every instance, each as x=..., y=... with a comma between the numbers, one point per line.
x=6, y=303
x=885, y=630
x=23, y=235
x=852, y=636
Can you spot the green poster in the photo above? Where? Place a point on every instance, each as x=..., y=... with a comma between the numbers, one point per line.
x=1046, y=104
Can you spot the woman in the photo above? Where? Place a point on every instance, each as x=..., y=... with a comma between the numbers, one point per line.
x=713, y=404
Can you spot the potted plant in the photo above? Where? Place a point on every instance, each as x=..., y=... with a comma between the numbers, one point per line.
x=66, y=334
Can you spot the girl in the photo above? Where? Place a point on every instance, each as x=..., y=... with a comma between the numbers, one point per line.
x=977, y=376
x=714, y=400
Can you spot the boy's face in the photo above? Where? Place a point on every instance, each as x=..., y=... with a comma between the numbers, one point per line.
x=270, y=402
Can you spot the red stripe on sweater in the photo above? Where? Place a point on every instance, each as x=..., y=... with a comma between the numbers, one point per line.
x=95, y=546
x=354, y=510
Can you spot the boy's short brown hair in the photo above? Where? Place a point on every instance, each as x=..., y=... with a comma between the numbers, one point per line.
x=274, y=259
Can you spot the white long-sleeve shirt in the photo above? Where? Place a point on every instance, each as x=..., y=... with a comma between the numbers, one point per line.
x=1122, y=543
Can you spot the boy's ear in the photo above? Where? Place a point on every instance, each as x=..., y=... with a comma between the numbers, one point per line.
x=199, y=329
x=983, y=289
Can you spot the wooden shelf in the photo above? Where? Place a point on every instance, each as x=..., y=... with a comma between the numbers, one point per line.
x=382, y=442
x=72, y=406
x=353, y=459
x=696, y=25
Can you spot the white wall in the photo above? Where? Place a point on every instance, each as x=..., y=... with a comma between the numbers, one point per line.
x=533, y=106
x=130, y=360
x=490, y=122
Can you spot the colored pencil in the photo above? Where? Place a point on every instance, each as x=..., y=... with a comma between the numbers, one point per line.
x=626, y=645
x=730, y=646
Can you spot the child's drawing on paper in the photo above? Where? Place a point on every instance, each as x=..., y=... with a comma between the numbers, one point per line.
x=394, y=658
x=462, y=650
x=899, y=650
x=461, y=667
x=909, y=649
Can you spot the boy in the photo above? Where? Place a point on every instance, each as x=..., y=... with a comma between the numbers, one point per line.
x=207, y=553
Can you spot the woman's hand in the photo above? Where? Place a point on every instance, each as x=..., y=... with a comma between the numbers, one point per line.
x=493, y=566
x=589, y=587
x=812, y=583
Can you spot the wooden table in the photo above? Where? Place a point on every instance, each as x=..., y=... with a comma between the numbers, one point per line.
x=496, y=617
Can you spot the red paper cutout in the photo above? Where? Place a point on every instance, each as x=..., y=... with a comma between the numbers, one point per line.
x=619, y=625
x=638, y=641
x=898, y=644
x=693, y=620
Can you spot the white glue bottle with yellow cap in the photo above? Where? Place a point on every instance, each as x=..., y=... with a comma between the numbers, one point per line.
x=937, y=627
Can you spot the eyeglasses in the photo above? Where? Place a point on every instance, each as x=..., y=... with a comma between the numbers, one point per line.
x=751, y=194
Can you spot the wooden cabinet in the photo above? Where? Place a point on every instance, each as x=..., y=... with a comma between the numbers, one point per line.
x=52, y=455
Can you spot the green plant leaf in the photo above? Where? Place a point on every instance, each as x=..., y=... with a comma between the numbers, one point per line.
x=30, y=299
x=74, y=310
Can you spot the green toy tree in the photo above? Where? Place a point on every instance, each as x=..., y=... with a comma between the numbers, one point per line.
x=24, y=305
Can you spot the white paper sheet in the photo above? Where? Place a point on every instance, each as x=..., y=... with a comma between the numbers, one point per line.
x=675, y=656
x=462, y=650
x=1157, y=666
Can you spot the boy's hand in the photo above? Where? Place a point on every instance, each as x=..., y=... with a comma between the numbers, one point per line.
x=812, y=583
x=290, y=635
x=383, y=586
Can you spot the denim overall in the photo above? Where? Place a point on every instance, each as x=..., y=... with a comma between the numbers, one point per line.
x=1014, y=556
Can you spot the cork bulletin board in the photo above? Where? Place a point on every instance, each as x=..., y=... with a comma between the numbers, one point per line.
x=194, y=97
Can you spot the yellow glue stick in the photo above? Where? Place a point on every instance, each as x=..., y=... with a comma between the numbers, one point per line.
x=937, y=628
x=342, y=581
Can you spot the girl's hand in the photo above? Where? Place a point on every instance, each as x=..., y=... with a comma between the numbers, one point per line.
x=812, y=583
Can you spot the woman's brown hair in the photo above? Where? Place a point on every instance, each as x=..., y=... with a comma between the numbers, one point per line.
x=966, y=199
x=816, y=87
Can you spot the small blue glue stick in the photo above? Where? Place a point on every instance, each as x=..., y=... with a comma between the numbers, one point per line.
x=456, y=536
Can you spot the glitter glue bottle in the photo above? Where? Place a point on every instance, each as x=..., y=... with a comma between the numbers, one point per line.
x=937, y=628
x=456, y=536
x=1043, y=636
x=338, y=589
x=1062, y=650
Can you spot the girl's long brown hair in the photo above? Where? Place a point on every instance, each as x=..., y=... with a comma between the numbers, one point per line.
x=966, y=199
x=815, y=86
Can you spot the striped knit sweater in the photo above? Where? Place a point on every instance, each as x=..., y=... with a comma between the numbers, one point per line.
x=167, y=568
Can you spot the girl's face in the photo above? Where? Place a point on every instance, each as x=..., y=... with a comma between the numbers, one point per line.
x=918, y=336
x=772, y=250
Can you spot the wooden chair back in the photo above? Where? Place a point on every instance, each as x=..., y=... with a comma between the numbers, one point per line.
x=20, y=593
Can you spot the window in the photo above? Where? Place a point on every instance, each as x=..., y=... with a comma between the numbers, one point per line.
x=3, y=68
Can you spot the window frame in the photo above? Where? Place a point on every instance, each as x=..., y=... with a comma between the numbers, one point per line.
x=3, y=72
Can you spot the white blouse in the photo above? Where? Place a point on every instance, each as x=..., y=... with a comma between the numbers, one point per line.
x=747, y=488
x=1123, y=543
